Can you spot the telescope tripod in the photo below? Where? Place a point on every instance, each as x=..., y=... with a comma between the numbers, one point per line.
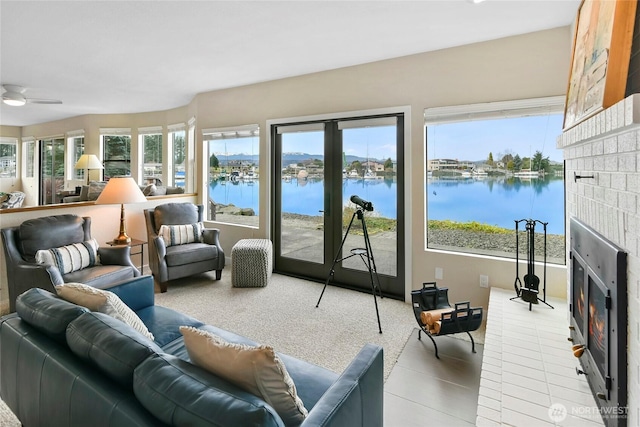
x=365, y=254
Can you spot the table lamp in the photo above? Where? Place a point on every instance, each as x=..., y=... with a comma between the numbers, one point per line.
x=88, y=162
x=121, y=189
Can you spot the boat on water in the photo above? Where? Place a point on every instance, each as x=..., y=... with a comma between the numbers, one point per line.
x=527, y=173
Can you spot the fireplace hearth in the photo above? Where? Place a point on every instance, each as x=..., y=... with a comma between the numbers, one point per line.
x=598, y=307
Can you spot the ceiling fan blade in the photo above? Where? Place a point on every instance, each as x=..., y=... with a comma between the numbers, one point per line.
x=43, y=101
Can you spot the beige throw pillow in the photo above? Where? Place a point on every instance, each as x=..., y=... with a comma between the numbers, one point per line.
x=257, y=370
x=104, y=302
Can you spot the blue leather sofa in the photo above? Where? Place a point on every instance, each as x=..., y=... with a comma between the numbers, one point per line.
x=125, y=379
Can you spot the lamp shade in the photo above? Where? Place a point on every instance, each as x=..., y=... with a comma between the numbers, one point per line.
x=88, y=161
x=121, y=190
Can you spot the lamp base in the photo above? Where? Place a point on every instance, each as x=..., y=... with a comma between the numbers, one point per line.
x=122, y=239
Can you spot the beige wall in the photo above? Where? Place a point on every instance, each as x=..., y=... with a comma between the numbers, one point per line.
x=528, y=66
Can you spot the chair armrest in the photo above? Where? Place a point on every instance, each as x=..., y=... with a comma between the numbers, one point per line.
x=211, y=236
x=136, y=293
x=161, y=246
x=356, y=398
x=115, y=255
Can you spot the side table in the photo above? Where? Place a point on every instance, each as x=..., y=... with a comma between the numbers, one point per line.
x=135, y=243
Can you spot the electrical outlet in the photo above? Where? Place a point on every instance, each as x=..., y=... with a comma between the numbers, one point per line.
x=438, y=273
x=484, y=281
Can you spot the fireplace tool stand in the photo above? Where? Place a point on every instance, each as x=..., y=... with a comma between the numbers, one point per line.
x=530, y=292
x=366, y=254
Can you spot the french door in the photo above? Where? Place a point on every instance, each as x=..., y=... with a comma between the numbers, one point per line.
x=318, y=167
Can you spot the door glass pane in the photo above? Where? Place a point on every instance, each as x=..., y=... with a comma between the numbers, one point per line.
x=302, y=196
x=369, y=172
x=52, y=171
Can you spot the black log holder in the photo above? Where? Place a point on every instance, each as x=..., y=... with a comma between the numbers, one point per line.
x=530, y=291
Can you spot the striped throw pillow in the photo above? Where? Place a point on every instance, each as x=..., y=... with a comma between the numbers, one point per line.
x=180, y=234
x=71, y=257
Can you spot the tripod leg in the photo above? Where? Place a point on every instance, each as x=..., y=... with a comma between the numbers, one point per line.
x=335, y=260
x=372, y=261
x=367, y=244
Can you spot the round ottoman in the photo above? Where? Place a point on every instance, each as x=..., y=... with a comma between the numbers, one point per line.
x=251, y=263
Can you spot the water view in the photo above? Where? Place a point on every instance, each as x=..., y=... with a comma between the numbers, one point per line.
x=496, y=201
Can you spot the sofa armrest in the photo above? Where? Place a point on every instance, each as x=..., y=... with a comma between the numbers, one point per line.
x=356, y=398
x=136, y=293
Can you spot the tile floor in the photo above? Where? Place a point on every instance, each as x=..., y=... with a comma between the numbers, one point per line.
x=424, y=391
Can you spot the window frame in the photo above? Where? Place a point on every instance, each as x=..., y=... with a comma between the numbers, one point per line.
x=16, y=158
x=227, y=133
x=119, y=132
x=477, y=112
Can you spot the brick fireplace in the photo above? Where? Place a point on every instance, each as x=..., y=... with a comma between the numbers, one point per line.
x=602, y=156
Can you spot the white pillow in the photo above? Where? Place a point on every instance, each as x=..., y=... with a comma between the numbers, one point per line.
x=257, y=370
x=181, y=234
x=71, y=257
x=104, y=302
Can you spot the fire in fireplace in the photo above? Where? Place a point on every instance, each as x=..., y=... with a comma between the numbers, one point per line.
x=598, y=306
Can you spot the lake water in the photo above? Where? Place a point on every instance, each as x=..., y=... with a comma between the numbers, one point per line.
x=494, y=201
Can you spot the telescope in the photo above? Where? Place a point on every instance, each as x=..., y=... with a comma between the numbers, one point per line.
x=367, y=206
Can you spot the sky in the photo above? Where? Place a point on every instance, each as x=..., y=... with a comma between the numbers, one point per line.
x=472, y=140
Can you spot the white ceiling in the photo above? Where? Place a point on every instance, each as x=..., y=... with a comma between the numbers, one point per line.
x=133, y=56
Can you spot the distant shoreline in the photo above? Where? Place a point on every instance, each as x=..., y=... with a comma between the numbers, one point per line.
x=498, y=244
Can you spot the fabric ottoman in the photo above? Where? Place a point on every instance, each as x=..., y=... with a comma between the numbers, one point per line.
x=251, y=263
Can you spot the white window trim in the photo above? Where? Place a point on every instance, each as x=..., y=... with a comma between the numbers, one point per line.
x=488, y=110
x=231, y=132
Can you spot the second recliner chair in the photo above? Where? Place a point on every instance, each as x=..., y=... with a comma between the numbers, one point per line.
x=182, y=248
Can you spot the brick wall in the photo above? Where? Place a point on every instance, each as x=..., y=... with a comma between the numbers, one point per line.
x=608, y=146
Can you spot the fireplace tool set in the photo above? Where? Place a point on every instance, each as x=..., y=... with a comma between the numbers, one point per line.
x=530, y=292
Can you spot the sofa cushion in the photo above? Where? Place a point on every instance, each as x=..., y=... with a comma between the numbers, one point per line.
x=46, y=312
x=256, y=369
x=175, y=190
x=70, y=258
x=165, y=324
x=95, y=188
x=104, y=302
x=114, y=347
x=180, y=393
x=181, y=234
x=84, y=193
x=148, y=190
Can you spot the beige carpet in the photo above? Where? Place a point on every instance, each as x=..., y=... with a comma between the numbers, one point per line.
x=284, y=315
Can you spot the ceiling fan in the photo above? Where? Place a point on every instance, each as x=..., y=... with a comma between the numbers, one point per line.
x=14, y=95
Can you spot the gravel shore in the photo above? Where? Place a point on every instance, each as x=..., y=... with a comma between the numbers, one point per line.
x=469, y=241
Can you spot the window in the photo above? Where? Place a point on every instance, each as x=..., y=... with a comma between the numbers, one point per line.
x=151, y=142
x=178, y=147
x=233, y=190
x=116, y=146
x=75, y=141
x=30, y=158
x=490, y=168
x=8, y=157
